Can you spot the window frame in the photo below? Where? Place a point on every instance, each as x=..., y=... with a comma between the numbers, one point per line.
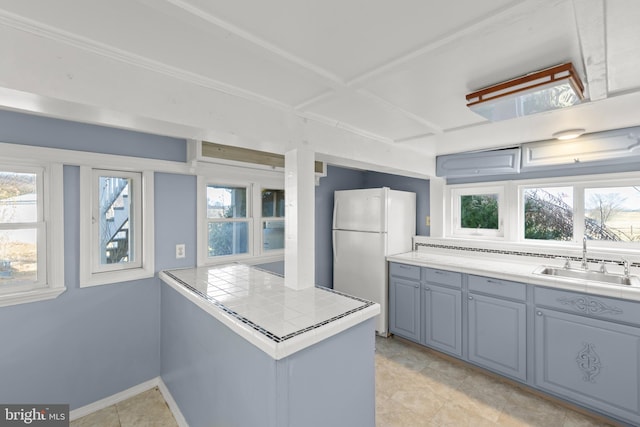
x=246, y=219
x=455, y=228
x=263, y=219
x=92, y=273
x=49, y=227
x=255, y=181
x=579, y=185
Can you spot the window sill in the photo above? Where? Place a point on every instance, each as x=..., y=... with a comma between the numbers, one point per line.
x=34, y=295
x=109, y=277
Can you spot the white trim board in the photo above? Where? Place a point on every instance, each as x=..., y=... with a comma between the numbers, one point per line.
x=129, y=393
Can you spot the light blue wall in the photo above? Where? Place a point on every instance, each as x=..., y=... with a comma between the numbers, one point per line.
x=46, y=132
x=346, y=179
x=93, y=342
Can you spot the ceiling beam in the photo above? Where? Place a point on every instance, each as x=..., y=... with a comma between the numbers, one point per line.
x=591, y=23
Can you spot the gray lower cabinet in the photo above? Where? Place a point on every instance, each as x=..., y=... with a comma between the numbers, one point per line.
x=590, y=361
x=498, y=335
x=443, y=318
x=404, y=308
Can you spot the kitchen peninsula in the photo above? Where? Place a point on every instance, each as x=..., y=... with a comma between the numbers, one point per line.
x=240, y=348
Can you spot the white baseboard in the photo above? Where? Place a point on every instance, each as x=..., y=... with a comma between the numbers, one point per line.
x=128, y=393
x=173, y=406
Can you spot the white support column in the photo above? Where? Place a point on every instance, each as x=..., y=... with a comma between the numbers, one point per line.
x=299, y=219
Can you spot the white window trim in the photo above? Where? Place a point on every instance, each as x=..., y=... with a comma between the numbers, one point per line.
x=92, y=277
x=203, y=221
x=256, y=180
x=53, y=217
x=452, y=216
x=259, y=222
x=578, y=184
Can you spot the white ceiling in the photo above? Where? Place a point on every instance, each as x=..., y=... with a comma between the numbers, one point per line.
x=370, y=81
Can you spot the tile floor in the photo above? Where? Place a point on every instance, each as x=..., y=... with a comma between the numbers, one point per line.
x=414, y=387
x=417, y=387
x=147, y=409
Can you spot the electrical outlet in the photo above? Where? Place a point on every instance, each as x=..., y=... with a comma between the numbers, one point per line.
x=180, y=250
x=427, y=221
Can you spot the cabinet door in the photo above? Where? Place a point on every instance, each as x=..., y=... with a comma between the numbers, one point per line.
x=404, y=308
x=443, y=318
x=593, y=362
x=498, y=335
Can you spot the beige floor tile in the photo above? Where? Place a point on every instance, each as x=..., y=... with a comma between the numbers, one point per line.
x=453, y=415
x=107, y=417
x=147, y=409
x=402, y=417
x=575, y=419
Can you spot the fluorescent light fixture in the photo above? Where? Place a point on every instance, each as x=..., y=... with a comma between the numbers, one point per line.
x=568, y=134
x=544, y=90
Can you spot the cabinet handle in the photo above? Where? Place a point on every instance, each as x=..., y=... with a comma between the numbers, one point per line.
x=438, y=272
x=539, y=313
x=470, y=297
x=496, y=282
x=404, y=267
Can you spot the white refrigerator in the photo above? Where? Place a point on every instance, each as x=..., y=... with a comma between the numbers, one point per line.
x=368, y=225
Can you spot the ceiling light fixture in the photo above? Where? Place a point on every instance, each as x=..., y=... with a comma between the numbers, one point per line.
x=568, y=134
x=544, y=90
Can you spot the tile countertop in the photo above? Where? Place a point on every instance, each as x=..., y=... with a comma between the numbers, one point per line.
x=256, y=305
x=515, y=268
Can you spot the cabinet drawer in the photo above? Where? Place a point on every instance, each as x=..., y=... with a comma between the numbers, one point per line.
x=589, y=305
x=449, y=278
x=498, y=287
x=404, y=270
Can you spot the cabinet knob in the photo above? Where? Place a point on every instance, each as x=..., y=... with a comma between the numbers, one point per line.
x=470, y=297
x=416, y=286
x=539, y=313
x=427, y=288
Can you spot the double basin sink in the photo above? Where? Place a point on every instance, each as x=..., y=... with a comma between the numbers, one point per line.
x=592, y=275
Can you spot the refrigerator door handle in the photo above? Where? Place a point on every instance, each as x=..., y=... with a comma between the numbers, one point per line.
x=334, y=246
x=335, y=210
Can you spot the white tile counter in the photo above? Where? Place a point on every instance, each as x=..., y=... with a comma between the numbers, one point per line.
x=256, y=305
x=513, y=267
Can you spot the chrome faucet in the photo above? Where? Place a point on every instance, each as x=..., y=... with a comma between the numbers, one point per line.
x=625, y=262
x=584, y=253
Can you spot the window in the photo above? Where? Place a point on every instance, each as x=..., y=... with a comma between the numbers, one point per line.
x=612, y=213
x=272, y=220
x=548, y=213
x=477, y=211
x=227, y=222
x=116, y=234
x=31, y=221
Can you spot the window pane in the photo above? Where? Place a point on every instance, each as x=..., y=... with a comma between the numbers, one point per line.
x=548, y=213
x=116, y=224
x=18, y=255
x=612, y=213
x=228, y=238
x=226, y=202
x=18, y=198
x=479, y=211
x=272, y=235
x=272, y=203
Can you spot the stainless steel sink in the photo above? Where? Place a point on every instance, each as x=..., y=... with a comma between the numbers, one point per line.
x=594, y=276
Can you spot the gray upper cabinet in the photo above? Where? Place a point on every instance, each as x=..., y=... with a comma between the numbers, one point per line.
x=590, y=361
x=498, y=334
x=618, y=146
x=443, y=318
x=494, y=162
